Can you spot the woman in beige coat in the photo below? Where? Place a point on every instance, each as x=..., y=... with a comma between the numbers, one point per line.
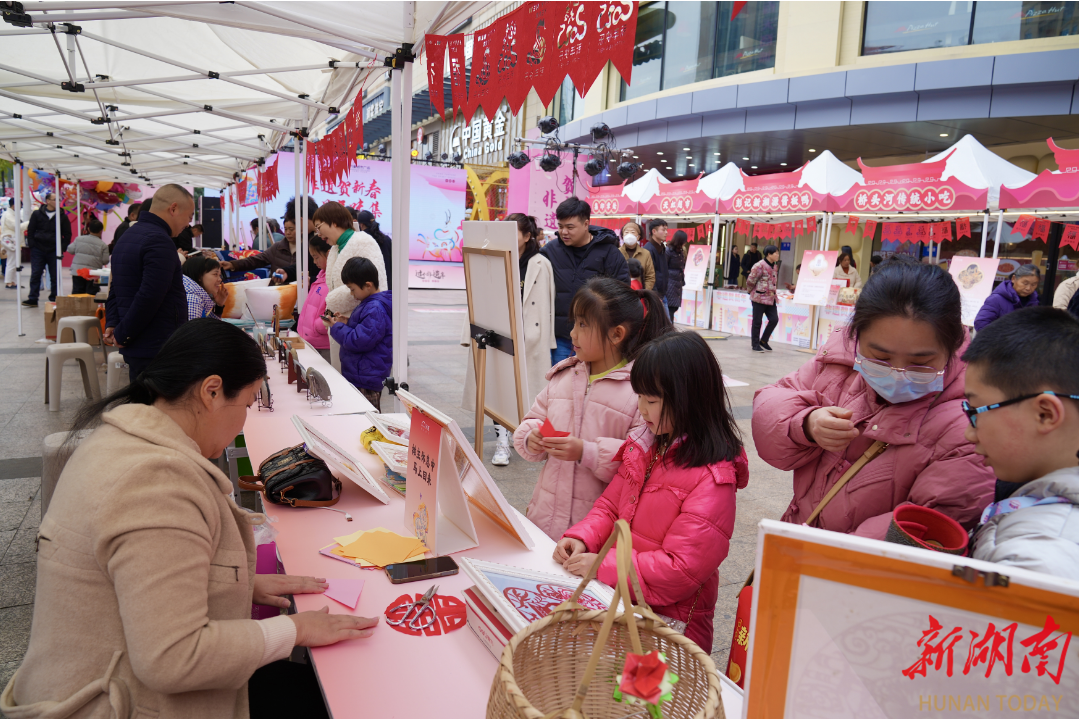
x=146, y=567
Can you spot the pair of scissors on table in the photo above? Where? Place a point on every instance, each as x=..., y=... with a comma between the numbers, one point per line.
x=421, y=605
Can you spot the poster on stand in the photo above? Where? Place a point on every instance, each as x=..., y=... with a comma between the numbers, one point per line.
x=833, y=318
x=696, y=267
x=815, y=279
x=848, y=627
x=696, y=307
x=974, y=278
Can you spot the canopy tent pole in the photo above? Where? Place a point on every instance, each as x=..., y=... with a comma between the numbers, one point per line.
x=401, y=106
x=75, y=232
x=715, y=248
x=17, y=259
x=57, y=283
x=984, y=237
x=1000, y=227
x=301, y=197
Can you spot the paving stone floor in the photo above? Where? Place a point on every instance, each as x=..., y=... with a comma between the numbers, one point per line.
x=437, y=371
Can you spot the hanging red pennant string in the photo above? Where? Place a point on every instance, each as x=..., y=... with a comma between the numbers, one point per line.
x=870, y=229
x=785, y=230
x=770, y=231
x=268, y=182
x=709, y=228
x=908, y=231
x=799, y=228
x=742, y=227
x=962, y=227
x=1022, y=226
x=435, y=47
x=1070, y=236
x=852, y=225
x=455, y=46
x=812, y=223
x=945, y=231
x=1041, y=230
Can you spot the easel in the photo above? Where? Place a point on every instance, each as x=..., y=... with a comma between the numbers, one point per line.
x=484, y=337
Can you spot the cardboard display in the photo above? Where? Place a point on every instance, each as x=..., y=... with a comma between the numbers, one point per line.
x=815, y=279
x=463, y=470
x=341, y=462
x=849, y=627
x=974, y=278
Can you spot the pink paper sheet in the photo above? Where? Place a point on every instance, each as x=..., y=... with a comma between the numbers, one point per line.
x=346, y=591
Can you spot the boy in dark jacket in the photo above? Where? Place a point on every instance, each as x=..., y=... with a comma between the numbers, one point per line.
x=581, y=252
x=366, y=338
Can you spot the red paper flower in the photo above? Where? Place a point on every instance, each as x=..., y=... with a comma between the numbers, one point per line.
x=642, y=675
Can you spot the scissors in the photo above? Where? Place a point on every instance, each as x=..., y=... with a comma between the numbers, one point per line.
x=421, y=605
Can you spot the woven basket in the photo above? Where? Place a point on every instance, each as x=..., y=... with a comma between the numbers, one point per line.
x=565, y=664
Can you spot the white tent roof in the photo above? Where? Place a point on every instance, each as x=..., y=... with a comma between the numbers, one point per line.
x=150, y=63
x=645, y=189
x=973, y=165
x=825, y=175
x=723, y=183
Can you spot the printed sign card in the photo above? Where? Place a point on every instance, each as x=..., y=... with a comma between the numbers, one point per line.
x=696, y=267
x=815, y=280
x=974, y=278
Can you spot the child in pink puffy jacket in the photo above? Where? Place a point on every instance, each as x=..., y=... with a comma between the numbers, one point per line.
x=310, y=326
x=589, y=396
x=675, y=486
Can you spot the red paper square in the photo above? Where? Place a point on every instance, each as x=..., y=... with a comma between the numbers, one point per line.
x=547, y=430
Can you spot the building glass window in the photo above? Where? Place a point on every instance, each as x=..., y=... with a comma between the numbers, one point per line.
x=679, y=43
x=903, y=26
x=1004, y=21
x=570, y=104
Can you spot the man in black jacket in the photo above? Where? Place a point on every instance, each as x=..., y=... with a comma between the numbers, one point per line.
x=581, y=252
x=657, y=247
x=41, y=236
x=751, y=258
x=147, y=301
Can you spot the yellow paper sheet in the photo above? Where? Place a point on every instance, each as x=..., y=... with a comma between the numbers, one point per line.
x=382, y=548
x=346, y=540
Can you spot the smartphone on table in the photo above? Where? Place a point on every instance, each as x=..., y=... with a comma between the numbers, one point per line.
x=421, y=569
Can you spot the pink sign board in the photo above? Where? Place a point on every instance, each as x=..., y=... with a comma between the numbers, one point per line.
x=775, y=192
x=609, y=201
x=916, y=187
x=679, y=198
x=815, y=280
x=1048, y=189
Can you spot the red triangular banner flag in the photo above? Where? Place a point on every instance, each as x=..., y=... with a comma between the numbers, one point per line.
x=945, y=231
x=770, y=231
x=799, y=228
x=870, y=229
x=785, y=230
x=1022, y=226
x=1070, y=237
x=435, y=47
x=812, y=223
x=1041, y=230
x=962, y=227
x=852, y=225
x=455, y=45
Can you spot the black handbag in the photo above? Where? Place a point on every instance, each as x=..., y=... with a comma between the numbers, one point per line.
x=294, y=477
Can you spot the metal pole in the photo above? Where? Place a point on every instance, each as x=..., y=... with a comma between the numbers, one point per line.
x=401, y=103
x=57, y=283
x=78, y=210
x=985, y=234
x=303, y=272
x=1000, y=226
x=17, y=259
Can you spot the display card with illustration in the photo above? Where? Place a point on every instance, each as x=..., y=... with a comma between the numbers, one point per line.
x=974, y=278
x=815, y=278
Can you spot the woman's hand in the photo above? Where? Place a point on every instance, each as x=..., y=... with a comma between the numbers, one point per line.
x=568, y=547
x=579, y=564
x=320, y=628
x=568, y=449
x=831, y=428
x=273, y=589
x=535, y=442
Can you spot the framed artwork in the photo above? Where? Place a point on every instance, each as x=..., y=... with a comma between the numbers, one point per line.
x=340, y=461
x=848, y=627
x=394, y=427
x=521, y=596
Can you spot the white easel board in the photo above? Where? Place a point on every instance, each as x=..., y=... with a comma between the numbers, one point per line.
x=848, y=627
x=340, y=461
x=476, y=482
x=493, y=287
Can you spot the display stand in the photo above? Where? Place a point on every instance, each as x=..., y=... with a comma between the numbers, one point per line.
x=492, y=279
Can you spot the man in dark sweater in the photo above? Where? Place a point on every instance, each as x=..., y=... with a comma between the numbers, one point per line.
x=41, y=236
x=750, y=258
x=580, y=253
x=147, y=301
x=657, y=247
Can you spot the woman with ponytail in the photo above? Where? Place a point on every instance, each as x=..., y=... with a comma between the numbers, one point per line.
x=590, y=397
x=146, y=566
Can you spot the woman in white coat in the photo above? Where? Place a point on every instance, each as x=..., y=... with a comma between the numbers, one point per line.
x=537, y=311
x=333, y=223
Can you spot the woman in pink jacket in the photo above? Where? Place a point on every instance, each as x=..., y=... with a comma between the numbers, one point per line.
x=310, y=326
x=893, y=375
x=589, y=398
x=675, y=487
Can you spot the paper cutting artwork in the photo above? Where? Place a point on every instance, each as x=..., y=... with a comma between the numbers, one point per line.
x=538, y=604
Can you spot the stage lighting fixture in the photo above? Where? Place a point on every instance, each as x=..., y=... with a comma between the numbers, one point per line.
x=549, y=162
x=429, y=156
x=593, y=167
x=628, y=169
x=456, y=157
x=600, y=131
x=518, y=160
x=548, y=125
x=382, y=149
x=445, y=157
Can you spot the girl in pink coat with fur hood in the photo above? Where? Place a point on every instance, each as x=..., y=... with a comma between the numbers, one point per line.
x=675, y=486
x=588, y=398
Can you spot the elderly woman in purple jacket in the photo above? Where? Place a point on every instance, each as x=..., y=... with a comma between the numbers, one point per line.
x=1015, y=293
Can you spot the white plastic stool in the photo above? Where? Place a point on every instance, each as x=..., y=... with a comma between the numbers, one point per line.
x=55, y=356
x=116, y=373
x=80, y=330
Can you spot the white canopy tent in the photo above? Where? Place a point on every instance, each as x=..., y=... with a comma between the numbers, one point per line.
x=195, y=92
x=645, y=188
x=723, y=183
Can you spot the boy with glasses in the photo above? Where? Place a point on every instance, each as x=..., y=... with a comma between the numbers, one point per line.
x=1022, y=389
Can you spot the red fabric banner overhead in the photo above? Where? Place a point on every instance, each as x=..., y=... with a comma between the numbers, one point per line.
x=535, y=47
x=812, y=223
x=268, y=182
x=332, y=157
x=799, y=228
x=962, y=227
x=852, y=225
x=1070, y=237
x=1041, y=230
x=784, y=230
x=741, y=227
x=945, y=231
x=435, y=47
x=870, y=229
x=1023, y=225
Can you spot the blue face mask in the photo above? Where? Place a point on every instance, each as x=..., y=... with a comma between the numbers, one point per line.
x=897, y=389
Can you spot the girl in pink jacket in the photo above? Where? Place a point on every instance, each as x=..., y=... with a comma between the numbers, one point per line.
x=675, y=486
x=893, y=375
x=310, y=326
x=589, y=398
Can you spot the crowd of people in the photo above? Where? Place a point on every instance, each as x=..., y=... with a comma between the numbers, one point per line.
x=981, y=430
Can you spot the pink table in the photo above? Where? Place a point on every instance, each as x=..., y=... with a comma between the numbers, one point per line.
x=390, y=674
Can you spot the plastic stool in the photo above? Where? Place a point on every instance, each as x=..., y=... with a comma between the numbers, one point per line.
x=80, y=327
x=116, y=372
x=55, y=356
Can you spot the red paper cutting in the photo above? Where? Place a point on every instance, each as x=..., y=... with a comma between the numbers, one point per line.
x=451, y=612
x=547, y=430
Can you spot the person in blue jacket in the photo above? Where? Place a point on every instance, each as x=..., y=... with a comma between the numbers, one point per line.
x=1014, y=293
x=147, y=301
x=581, y=252
x=366, y=337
